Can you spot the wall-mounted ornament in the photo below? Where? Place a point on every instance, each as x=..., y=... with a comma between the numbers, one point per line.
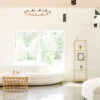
x=64, y=17
x=97, y=12
x=73, y=2
x=95, y=25
x=95, y=17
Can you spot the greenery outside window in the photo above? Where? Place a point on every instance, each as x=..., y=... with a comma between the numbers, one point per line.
x=46, y=47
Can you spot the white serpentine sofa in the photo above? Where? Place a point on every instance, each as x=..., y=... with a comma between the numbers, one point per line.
x=89, y=88
x=37, y=75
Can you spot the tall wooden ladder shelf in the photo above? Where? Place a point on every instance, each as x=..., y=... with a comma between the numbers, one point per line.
x=80, y=60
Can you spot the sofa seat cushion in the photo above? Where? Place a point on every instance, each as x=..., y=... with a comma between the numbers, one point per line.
x=43, y=75
x=39, y=78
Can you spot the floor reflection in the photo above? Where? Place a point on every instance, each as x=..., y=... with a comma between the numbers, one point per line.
x=72, y=93
x=54, y=92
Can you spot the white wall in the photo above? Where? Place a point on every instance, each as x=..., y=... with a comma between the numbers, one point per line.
x=79, y=23
x=12, y=20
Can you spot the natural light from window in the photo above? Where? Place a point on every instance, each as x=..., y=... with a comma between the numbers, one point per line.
x=45, y=47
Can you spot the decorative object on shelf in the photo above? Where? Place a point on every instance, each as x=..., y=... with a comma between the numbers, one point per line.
x=81, y=67
x=37, y=12
x=80, y=46
x=80, y=56
x=80, y=60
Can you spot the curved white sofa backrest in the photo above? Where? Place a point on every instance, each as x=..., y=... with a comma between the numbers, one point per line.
x=23, y=69
x=30, y=69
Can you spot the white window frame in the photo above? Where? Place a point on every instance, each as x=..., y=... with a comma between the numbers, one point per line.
x=39, y=35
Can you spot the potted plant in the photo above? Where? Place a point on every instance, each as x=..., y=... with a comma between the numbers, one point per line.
x=81, y=67
x=80, y=47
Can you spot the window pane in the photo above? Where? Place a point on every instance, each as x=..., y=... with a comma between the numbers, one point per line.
x=31, y=55
x=32, y=40
x=52, y=40
x=45, y=47
x=52, y=57
x=21, y=54
x=52, y=48
x=21, y=40
x=26, y=46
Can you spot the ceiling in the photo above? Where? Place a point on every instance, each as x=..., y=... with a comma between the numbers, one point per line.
x=49, y=3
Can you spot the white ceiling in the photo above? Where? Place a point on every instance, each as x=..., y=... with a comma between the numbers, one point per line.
x=48, y=3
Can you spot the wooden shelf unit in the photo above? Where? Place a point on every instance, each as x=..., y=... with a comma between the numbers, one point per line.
x=80, y=61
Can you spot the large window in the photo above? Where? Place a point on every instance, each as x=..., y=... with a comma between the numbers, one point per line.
x=44, y=47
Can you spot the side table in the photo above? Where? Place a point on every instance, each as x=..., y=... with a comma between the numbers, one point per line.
x=15, y=83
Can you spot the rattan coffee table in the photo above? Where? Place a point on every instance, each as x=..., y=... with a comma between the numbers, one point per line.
x=15, y=83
